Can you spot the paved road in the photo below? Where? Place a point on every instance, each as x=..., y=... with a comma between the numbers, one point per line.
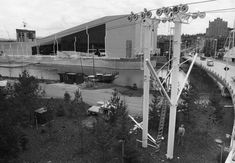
x=134, y=104
x=219, y=69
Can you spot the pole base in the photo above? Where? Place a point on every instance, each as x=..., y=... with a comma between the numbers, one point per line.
x=169, y=157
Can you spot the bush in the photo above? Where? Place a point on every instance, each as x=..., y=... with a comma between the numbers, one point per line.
x=71, y=110
x=77, y=97
x=67, y=98
x=60, y=111
x=9, y=142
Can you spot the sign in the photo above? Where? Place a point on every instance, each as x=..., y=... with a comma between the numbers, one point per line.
x=226, y=68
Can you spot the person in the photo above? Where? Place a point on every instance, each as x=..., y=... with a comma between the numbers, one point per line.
x=97, y=52
x=180, y=133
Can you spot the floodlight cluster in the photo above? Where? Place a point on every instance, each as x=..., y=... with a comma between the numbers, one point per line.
x=168, y=13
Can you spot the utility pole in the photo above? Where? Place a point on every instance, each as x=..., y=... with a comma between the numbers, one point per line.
x=147, y=45
x=174, y=89
x=177, y=15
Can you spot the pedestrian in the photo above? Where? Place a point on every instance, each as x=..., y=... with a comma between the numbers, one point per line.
x=97, y=52
x=180, y=133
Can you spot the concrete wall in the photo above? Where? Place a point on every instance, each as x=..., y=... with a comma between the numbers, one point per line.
x=117, y=33
x=16, y=48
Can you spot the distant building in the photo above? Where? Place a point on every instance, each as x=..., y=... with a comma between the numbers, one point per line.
x=217, y=28
x=216, y=35
x=24, y=35
x=113, y=35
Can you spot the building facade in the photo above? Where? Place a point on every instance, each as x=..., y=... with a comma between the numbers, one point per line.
x=23, y=35
x=217, y=28
x=114, y=35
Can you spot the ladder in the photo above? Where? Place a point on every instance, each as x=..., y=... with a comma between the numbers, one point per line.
x=163, y=103
x=161, y=124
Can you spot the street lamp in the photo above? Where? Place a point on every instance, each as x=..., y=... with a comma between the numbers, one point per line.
x=221, y=143
x=123, y=150
x=215, y=47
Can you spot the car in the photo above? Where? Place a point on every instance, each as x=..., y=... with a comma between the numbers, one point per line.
x=210, y=63
x=95, y=109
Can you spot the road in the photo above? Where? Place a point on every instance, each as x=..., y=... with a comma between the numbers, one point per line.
x=219, y=69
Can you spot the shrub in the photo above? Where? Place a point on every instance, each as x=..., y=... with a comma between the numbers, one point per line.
x=60, y=111
x=67, y=97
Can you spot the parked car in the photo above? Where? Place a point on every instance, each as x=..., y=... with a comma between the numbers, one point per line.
x=95, y=109
x=210, y=63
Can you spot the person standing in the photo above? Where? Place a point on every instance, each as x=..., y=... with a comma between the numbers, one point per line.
x=180, y=133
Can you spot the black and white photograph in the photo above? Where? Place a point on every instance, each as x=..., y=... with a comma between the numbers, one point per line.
x=117, y=81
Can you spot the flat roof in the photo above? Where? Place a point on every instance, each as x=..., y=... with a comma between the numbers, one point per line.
x=78, y=28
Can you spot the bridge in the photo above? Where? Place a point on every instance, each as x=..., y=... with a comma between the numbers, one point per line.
x=226, y=78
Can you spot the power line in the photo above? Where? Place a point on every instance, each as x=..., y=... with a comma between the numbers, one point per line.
x=220, y=10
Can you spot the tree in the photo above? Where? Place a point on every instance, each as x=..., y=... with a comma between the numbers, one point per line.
x=218, y=110
x=77, y=97
x=12, y=140
x=104, y=139
x=154, y=112
x=26, y=94
x=188, y=98
x=67, y=97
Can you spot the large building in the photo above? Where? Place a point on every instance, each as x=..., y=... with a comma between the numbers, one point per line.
x=217, y=28
x=115, y=35
x=216, y=35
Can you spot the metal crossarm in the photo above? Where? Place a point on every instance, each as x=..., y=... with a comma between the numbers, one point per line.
x=153, y=72
x=186, y=78
x=138, y=124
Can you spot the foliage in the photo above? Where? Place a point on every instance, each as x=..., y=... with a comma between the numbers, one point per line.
x=12, y=140
x=25, y=95
x=215, y=103
x=154, y=112
x=77, y=97
x=9, y=142
x=188, y=98
x=110, y=134
x=105, y=138
x=60, y=111
x=67, y=97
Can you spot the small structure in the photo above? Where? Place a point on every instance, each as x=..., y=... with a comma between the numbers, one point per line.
x=41, y=116
x=3, y=83
x=71, y=78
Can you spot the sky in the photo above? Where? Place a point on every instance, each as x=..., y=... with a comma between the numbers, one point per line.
x=51, y=16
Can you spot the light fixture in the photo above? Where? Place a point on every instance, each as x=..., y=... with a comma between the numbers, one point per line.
x=142, y=15
x=184, y=8
x=164, y=20
x=159, y=12
x=149, y=14
x=202, y=15
x=167, y=10
x=136, y=16
x=194, y=15
x=175, y=10
x=129, y=18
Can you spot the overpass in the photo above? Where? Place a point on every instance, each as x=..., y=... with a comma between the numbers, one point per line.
x=226, y=79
